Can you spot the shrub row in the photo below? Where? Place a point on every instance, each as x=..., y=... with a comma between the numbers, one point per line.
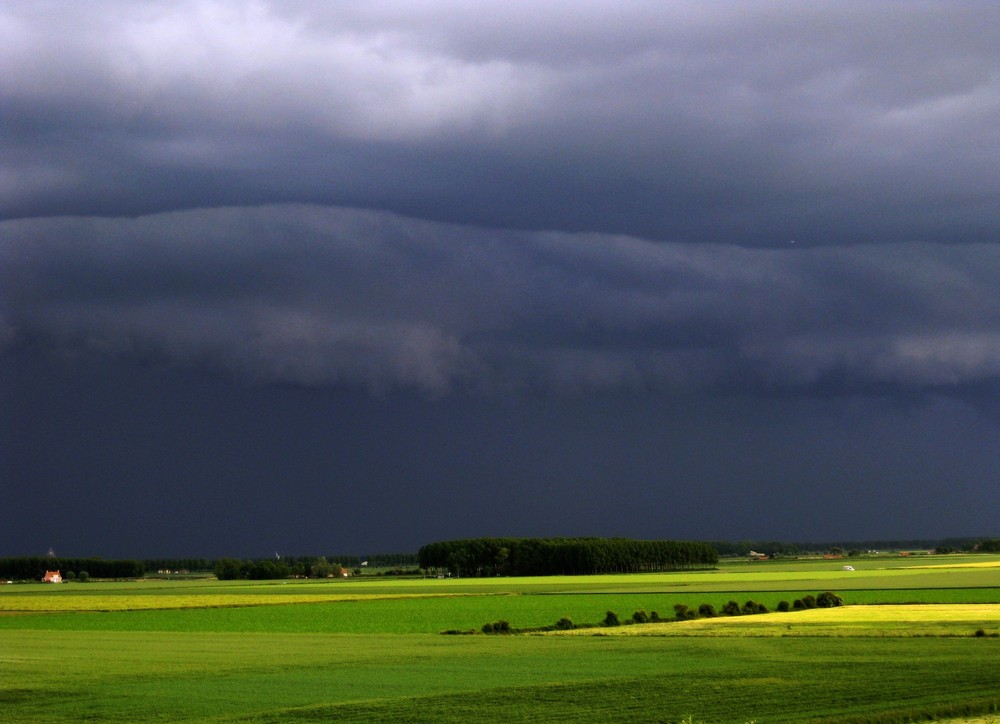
x=682, y=612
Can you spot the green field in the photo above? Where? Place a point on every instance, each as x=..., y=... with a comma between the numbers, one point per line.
x=371, y=649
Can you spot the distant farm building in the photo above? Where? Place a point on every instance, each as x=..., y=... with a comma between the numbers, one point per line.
x=52, y=577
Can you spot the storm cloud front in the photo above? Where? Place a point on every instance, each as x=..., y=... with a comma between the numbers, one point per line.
x=358, y=277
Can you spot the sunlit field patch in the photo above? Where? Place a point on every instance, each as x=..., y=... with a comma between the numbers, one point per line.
x=884, y=620
x=128, y=602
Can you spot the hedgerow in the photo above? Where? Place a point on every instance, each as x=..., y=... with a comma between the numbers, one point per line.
x=682, y=612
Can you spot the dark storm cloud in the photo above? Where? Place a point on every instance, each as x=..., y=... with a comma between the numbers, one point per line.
x=319, y=295
x=746, y=123
x=598, y=262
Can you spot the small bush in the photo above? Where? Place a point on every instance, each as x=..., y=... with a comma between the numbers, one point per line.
x=980, y=633
x=83, y=576
x=707, y=610
x=783, y=606
x=809, y=601
x=731, y=609
x=497, y=627
x=611, y=619
x=640, y=616
x=828, y=599
x=683, y=613
x=564, y=624
x=654, y=617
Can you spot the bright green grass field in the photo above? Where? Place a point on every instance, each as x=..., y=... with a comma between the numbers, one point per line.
x=274, y=677
x=237, y=651
x=415, y=614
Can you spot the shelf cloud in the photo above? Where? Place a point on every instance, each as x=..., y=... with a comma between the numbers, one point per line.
x=663, y=269
x=320, y=295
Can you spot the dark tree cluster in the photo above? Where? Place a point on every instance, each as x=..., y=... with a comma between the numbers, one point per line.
x=310, y=566
x=229, y=569
x=152, y=565
x=773, y=549
x=564, y=556
x=33, y=568
x=391, y=560
x=777, y=549
x=302, y=565
x=497, y=627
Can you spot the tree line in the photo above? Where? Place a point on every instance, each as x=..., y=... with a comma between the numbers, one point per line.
x=305, y=566
x=33, y=568
x=479, y=557
x=27, y=568
x=563, y=556
x=153, y=565
x=775, y=549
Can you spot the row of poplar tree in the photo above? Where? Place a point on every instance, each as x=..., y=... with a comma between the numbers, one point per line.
x=563, y=556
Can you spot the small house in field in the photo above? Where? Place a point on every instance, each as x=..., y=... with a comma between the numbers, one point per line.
x=52, y=577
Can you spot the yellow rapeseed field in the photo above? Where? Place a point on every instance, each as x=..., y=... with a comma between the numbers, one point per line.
x=882, y=620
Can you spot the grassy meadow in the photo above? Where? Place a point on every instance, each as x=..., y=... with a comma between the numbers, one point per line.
x=372, y=649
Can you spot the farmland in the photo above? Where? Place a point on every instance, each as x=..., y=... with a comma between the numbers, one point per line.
x=371, y=649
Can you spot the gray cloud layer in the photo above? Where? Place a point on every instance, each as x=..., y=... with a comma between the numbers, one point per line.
x=321, y=295
x=746, y=123
x=607, y=260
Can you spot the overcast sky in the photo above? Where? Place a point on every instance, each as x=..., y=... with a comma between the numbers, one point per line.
x=354, y=277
